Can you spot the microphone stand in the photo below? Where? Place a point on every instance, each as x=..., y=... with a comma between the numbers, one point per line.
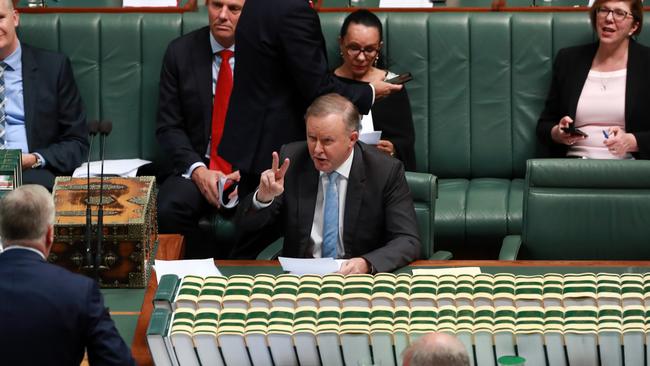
x=105, y=128
x=93, y=127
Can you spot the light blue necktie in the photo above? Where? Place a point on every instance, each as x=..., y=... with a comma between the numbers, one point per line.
x=3, y=102
x=331, y=218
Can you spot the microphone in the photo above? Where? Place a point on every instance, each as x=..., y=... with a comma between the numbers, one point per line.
x=105, y=128
x=93, y=128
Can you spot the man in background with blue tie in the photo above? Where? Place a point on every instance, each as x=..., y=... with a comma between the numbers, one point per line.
x=195, y=84
x=334, y=196
x=41, y=112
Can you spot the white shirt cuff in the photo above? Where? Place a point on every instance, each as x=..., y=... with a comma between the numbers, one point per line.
x=260, y=205
x=188, y=173
x=373, y=94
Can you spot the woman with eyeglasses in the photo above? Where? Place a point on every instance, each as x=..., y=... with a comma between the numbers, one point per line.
x=602, y=90
x=360, y=42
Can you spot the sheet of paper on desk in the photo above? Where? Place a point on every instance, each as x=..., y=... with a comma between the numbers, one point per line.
x=120, y=167
x=317, y=266
x=185, y=267
x=447, y=271
x=405, y=4
x=371, y=137
x=127, y=3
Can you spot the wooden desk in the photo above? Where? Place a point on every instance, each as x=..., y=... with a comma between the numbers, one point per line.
x=169, y=247
x=228, y=267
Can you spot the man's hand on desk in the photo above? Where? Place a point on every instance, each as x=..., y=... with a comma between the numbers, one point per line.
x=206, y=180
x=272, y=180
x=354, y=266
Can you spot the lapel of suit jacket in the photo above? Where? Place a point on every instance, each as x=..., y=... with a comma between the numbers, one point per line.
x=202, y=54
x=353, y=197
x=633, y=80
x=30, y=89
x=307, y=191
x=577, y=82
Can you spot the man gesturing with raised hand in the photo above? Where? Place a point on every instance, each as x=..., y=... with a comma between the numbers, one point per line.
x=340, y=199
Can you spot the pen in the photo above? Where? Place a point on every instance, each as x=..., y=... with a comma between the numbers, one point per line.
x=605, y=134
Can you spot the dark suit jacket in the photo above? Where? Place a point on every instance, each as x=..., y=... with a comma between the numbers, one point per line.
x=380, y=223
x=570, y=72
x=55, y=119
x=281, y=68
x=185, y=101
x=49, y=315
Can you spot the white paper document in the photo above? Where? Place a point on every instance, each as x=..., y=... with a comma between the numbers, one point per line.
x=221, y=187
x=186, y=267
x=405, y=4
x=120, y=167
x=318, y=266
x=147, y=3
x=370, y=138
x=455, y=271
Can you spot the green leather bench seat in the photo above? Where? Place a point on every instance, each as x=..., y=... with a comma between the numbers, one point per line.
x=480, y=81
x=584, y=209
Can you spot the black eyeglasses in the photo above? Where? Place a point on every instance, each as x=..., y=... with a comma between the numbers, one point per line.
x=618, y=14
x=354, y=51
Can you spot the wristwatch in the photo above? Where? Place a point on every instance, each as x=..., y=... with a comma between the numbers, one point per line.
x=39, y=161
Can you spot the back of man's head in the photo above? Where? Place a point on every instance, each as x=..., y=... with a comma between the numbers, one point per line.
x=437, y=349
x=25, y=215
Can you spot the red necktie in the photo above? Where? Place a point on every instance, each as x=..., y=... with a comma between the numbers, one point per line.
x=219, y=108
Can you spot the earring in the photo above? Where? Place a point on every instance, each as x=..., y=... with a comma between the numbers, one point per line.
x=375, y=63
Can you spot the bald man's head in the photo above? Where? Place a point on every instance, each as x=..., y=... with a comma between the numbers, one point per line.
x=438, y=349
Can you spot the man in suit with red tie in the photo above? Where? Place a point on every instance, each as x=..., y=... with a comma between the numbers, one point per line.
x=195, y=84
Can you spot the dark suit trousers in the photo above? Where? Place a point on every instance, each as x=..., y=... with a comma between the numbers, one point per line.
x=41, y=177
x=180, y=207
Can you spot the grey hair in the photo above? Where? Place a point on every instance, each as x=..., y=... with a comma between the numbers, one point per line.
x=421, y=353
x=25, y=214
x=10, y=4
x=335, y=104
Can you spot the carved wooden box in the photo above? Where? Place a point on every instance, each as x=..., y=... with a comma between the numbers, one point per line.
x=130, y=228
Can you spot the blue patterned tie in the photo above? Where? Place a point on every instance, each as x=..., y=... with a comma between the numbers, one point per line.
x=331, y=218
x=3, y=102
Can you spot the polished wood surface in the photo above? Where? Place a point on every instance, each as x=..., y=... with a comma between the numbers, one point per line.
x=191, y=5
x=169, y=247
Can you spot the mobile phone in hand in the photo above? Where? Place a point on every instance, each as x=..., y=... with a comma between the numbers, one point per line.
x=400, y=79
x=574, y=131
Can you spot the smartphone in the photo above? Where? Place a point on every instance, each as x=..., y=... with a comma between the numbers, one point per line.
x=574, y=131
x=400, y=79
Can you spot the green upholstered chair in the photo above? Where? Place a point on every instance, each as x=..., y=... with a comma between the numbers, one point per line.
x=423, y=189
x=584, y=209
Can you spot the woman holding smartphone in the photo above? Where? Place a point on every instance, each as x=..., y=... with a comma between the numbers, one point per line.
x=360, y=42
x=598, y=105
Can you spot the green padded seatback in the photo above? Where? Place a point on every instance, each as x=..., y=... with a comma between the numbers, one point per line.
x=586, y=209
x=480, y=81
x=424, y=190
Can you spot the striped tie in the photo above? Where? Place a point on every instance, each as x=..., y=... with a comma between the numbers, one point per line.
x=3, y=102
